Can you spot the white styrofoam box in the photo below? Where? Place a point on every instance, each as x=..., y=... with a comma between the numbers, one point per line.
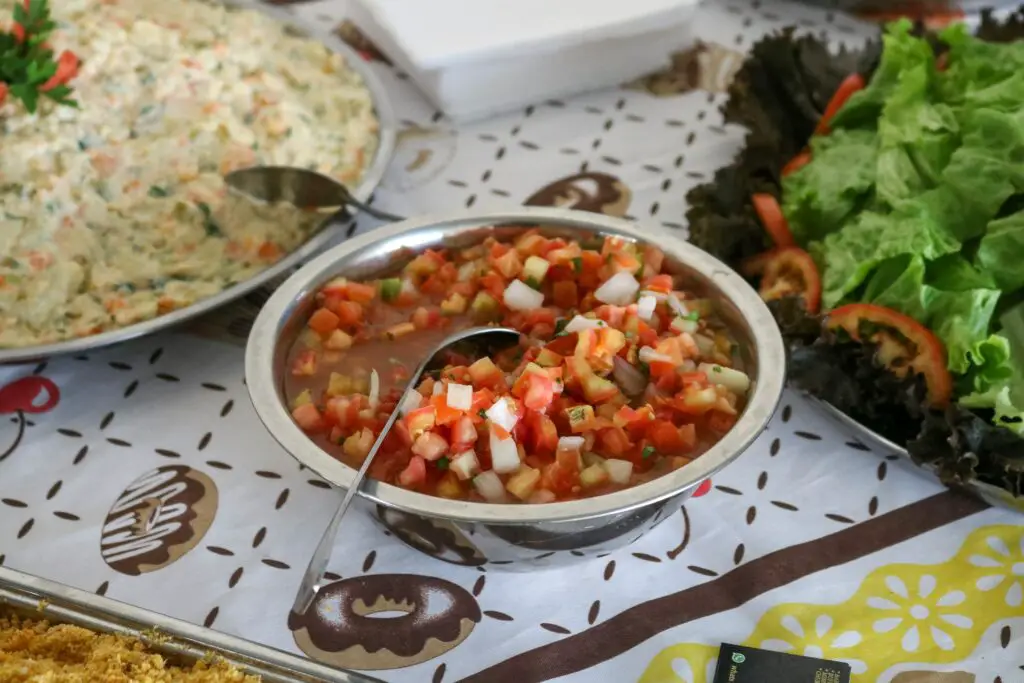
x=475, y=59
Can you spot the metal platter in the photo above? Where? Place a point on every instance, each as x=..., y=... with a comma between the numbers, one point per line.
x=993, y=495
x=387, y=136
x=182, y=643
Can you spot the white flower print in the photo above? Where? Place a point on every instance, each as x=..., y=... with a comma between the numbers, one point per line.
x=925, y=616
x=1007, y=565
x=819, y=641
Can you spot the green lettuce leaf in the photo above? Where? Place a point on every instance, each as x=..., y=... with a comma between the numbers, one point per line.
x=1001, y=250
x=996, y=380
x=901, y=51
x=818, y=197
x=921, y=226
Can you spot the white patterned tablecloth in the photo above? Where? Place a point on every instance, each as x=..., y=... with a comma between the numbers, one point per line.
x=152, y=481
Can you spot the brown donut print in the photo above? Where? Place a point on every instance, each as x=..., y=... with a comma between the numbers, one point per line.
x=591, y=191
x=437, y=539
x=337, y=629
x=705, y=66
x=156, y=520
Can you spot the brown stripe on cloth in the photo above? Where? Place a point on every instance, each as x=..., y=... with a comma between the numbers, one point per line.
x=628, y=629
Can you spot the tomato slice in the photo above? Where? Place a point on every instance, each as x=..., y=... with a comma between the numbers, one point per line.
x=850, y=85
x=772, y=219
x=796, y=163
x=903, y=343
x=791, y=272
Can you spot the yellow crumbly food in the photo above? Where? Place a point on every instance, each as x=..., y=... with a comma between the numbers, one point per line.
x=37, y=652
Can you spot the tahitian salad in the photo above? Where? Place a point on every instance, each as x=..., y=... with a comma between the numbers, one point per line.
x=619, y=376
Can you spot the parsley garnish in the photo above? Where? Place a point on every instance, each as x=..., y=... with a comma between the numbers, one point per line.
x=157, y=191
x=648, y=451
x=442, y=463
x=693, y=315
x=577, y=264
x=28, y=69
x=212, y=229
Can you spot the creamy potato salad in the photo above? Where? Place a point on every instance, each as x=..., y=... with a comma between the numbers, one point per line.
x=116, y=212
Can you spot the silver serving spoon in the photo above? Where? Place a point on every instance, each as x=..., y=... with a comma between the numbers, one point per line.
x=491, y=339
x=301, y=187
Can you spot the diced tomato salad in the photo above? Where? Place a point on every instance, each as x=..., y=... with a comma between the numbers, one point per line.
x=619, y=376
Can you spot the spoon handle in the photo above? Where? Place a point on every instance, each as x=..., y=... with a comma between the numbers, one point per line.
x=313, y=578
x=376, y=213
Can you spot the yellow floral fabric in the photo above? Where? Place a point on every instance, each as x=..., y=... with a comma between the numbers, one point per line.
x=935, y=614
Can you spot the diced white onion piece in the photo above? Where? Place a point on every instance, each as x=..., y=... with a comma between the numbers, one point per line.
x=631, y=381
x=680, y=325
x=645, y=306
x=541, y=496
x=580, y=323
x=570, y=443
x=408, y=287
x=649, y=355
x=619, y=471
x=438, y=388
x=460, y=396
x=466, y=271
x=465, y=465
x=535, y=268
x=488, y=484
x=706, y=345
x=522, y=297
x=500, y=414
x=374, y=389
x=411, y=402
x=732, y=379
x=677, y=306
x=504, y=454
x=618, y=290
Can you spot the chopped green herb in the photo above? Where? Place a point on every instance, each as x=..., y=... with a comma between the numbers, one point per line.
x=482, y=413
x=212, y=229
x=577, y=264
x=693, y=316
x=157, y=191
x=390, y=288
x=442, y=463
x=648, y=451
x=532, y=282
x=560, y=325
x=716, y=368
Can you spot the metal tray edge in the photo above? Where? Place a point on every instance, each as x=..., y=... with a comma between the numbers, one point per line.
x=993, y=495
x=166, y=635
x=387, y=140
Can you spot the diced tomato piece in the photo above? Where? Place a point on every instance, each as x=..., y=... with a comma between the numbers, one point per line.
x=485, y=374
x=558, y=480
x=420, y=420
x=772, y=219
x=850, y=85
x=426, y=318
x=430, y=446
x=563, y=346
x=305, y=363
x=508, y=264
x=482, y=400
x=323, y=322
x=494, y=284
x=463, y=434
x=443, y=413
x=543, y=435
x=349, y=312
x=658, y=283
x=903, y=344
x=791, y=271
x=309, y=418
x=720, y=422
x=564, y=294
x=414, y=474
x=665, y=437
x=796, y=163
x=361, y=293
x=613, y=441
x=536, y=389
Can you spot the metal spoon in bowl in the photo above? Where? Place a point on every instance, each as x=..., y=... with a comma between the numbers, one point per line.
x=301, y=187
x=487, y=340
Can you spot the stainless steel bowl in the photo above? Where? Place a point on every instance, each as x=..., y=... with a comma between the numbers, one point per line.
x=516, y=536
x=387, y=137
